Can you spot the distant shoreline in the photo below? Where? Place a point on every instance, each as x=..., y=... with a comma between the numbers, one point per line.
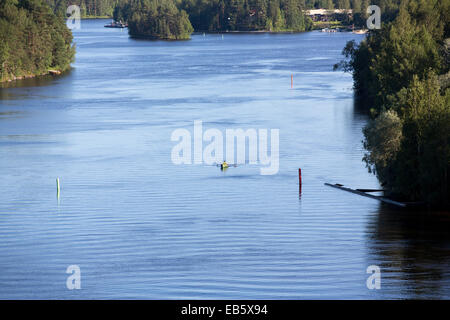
x=262, y=31
x=248, y=31
x=95, y=17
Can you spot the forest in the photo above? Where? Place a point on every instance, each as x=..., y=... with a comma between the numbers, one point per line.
x=236, y=15
x=247, y=15
x=174, y=19
x=214, y=15
x=33, y=40
x=401, y=77
x=88, y=8
x=105, y=8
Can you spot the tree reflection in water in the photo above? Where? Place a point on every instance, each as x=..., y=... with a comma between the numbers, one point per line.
x=413, y=250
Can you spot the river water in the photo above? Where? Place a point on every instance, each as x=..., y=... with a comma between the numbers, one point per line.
x=139, y=226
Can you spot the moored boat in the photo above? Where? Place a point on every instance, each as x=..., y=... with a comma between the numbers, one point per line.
x=360, y=31
x=116, y=24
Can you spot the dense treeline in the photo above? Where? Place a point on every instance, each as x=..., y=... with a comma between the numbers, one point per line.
x=349, y=4
x=216, y=15
x=33, y=40
x=246, y=15
x=235, y=15
x=103, y=8
x=88, y=8
x=242, y=15
x=401, y=74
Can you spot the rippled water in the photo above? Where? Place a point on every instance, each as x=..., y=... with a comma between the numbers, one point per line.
x=139, y=226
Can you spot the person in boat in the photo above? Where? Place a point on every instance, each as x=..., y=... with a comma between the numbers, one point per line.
x=224, y=165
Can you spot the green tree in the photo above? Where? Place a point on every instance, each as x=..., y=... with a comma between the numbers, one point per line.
x=33, y=40
x=155, y=19
x=395, y=72
x=421, y=171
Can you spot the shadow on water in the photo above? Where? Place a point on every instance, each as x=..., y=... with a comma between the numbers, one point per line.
x=361, y=107
x=39, y=81
x=416, y=248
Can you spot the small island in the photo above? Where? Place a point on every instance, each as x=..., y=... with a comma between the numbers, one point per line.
x=33, y=40
x=154, y=19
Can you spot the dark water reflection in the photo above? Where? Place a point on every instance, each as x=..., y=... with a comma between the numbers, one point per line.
x=40, y=81
x=413, y=248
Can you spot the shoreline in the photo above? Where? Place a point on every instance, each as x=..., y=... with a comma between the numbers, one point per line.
x=249, y=32
x=50, y=72
x=140, y=37
x=96, y=17
x=151, y=38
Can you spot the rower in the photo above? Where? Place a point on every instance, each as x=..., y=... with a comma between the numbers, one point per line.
x=224, y=165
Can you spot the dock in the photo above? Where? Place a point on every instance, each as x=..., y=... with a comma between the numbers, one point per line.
x=366, y=193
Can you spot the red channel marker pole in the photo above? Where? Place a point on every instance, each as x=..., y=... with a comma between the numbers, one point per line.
x=300, y=180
